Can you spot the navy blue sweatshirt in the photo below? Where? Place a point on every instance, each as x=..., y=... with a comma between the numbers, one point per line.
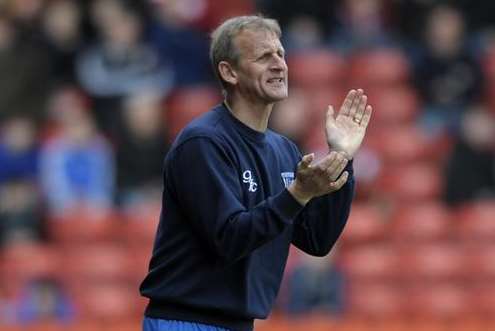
x=227, y=222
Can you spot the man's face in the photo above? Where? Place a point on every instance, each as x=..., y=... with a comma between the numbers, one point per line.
x=262, y=71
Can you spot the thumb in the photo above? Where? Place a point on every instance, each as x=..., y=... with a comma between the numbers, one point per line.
x=330, y=115
x=330, y=111
x=306, y=160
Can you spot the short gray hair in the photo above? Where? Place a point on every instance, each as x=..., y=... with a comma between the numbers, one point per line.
x=222, y=38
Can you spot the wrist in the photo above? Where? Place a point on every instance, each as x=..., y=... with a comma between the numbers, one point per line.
x=302, y=198
x=347, y=155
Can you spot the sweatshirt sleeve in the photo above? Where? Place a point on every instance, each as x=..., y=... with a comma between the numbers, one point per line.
x=205, y=181
x=320, y=224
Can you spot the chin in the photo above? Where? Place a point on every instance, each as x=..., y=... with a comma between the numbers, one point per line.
x=273, y=100
x=278, y=97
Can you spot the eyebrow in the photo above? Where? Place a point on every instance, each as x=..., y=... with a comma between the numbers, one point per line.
x=267, y=51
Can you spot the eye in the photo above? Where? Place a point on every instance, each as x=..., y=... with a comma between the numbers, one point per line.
x=264, y=57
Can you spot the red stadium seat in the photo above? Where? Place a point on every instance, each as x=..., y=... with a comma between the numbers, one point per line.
x=370, y=263
x=216, y=11
x=375, y=300
x=275, y=322
x=379, y=67
x=314, y=321
x=140, y=230
x=367, y=169
x=411, y=183
x=483, y=299
x=366, y=223
x=80, y=227
x=481, y=262
x=433, y=262
x=319, y=98
x=316, y=142
x=476, y=221
x=188, y=103
x=393, y=105
x=139, y=259
x=47, y=324
x=400, y=144
x=422, y=222
x=97, y=263
x=108, y=302
x=315, y=68
x=439, y=301
x=27, y=261
x=141, y=224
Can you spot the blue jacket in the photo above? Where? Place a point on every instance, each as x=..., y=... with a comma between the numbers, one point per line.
x=227, y=222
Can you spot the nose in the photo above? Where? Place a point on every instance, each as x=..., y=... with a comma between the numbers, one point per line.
x=279, y=64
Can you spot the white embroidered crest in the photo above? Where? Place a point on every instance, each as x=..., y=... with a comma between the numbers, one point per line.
x=247, y=177
x=287, y=177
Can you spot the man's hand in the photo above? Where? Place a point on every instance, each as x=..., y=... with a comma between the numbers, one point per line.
x=346, y=132
x=313, y=180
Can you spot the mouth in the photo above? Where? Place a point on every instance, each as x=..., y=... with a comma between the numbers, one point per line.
x=276, y=81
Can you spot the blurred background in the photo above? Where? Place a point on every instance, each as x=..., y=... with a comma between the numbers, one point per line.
x=93, y=92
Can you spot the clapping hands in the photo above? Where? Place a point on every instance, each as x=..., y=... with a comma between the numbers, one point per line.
x=345, y=132
x=322, y=177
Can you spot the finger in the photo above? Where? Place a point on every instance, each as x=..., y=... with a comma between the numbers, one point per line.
x=346, y=105
x=360, y=110
x=327, y=161
x=329, y=116
x=306, y=161
x=330, y=112
x=336, y=168
x=366, y=117
x=339, y=182
x=355, y=103
x=341, y=166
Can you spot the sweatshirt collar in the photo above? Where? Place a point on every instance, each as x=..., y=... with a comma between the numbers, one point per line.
x=243, y=128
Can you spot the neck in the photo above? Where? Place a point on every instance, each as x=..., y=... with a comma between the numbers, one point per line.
x=254, y=115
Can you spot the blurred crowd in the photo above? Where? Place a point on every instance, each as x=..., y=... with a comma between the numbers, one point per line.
x=93, y=92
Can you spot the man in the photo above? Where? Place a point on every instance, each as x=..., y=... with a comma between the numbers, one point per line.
x=236, y=194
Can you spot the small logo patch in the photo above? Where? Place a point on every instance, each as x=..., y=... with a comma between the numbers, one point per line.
x=287, y=177
x=247, y=177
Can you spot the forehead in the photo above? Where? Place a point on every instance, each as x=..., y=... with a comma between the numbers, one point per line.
x=251, y=43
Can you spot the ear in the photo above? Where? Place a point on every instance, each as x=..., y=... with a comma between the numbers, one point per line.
x=227, y=72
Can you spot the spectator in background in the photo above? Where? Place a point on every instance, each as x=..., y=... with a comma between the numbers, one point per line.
x=140, y=150
x=24, y=75
x=470, y=173
x=20, y=217
x=447, y=75
x=184, y=47
x=24, y=12
x=361, y=26
x=303, y=33
x=316, y=285
x=411, y=16
x=18, y=150
x=43, y=300
x=288, y=11
x=77, y=170
x=61, y=25
x=121, y=63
